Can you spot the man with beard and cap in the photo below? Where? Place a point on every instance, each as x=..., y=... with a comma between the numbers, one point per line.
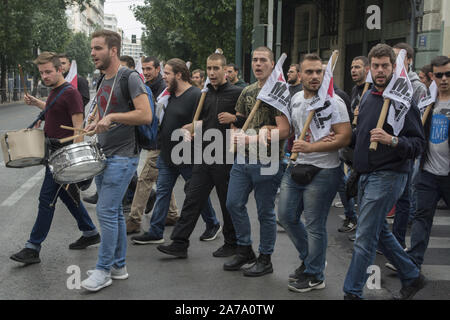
x=82, y=84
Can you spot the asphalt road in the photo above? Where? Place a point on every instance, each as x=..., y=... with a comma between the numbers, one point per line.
x=156, y=276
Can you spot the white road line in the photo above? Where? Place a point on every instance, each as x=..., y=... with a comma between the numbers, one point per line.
x=435, y=242
x=19, y=193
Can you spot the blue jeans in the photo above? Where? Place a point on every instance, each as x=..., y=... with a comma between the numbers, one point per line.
x=403, y=209
x=349, y=204
x=314, y=200
x=430, y=188
x=243, y=179
x=167, y=177
x=45, y=213
x=112, y=185
x=377, y=193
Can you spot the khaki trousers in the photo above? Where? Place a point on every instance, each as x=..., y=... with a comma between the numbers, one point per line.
x=146, y=179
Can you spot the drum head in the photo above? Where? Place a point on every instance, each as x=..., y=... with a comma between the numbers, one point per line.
x=80, y=172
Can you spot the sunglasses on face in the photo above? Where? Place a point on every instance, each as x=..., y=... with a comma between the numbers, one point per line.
x=439, y=75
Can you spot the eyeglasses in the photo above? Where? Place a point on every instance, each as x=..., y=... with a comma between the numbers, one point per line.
x=439, y=75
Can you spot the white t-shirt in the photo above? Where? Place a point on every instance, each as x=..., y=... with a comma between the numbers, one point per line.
x=438, y=155
x=299, y=114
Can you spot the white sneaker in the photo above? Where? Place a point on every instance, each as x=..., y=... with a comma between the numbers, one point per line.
x=391, y=266
x=338, y=204
x=98, y=280
x=116, y=274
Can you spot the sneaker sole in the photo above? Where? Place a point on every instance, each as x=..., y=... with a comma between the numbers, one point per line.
x=122, y=277
x=214, y=237
x=390, y=267
x=148, y=242
x=26, y=262
x=181, y=256
x=318, y=287
x=248, y=264
x=107, y=284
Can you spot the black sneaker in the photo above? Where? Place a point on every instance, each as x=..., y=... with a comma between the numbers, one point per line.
x=293, y=277
x=408, y=292
x=351, y=296
x=244, y=255
x=348, y=226
x=92, y=199
x=146, y=238
x=173, y=250
x=307, y=284
x=227, y=250
x=85, y=242
x=262, y=266
x=26, y=256
x=211, y=233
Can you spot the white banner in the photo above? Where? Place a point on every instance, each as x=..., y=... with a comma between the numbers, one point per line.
x=324, y=104
x=369, y=77
x=429, y=98
x=139, y=69
x=275, y=91
x=400, y=91
x=205, y=86
x=161, y=104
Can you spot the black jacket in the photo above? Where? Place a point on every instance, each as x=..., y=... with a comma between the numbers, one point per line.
x=157, y=86
x=411, y=138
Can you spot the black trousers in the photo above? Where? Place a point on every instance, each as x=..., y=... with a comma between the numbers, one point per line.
x=204, y=179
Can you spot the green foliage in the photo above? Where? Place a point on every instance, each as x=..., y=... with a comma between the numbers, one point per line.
x=191, y=30
x=78, y=49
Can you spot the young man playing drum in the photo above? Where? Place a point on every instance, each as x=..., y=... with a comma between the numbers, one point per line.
x=115, y=127
x=67, y=109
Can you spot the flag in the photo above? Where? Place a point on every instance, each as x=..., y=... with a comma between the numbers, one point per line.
x=400, y=91
x=161, y=104
x=369, y=77
x=429, y=98
x=205, y=86
x=139, y=69
x=275, y=91
x=72, y=76
x=324, y=104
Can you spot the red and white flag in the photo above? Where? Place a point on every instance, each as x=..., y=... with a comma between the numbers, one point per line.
x=400, y=91
x=72, y=76
x=139, y=69
x=275, y=91
x=325, y=105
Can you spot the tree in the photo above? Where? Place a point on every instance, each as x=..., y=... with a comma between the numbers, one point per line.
x=78, y=49
x=191, y=30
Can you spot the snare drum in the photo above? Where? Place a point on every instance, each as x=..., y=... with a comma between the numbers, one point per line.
x=77, y=162
x=23, y=148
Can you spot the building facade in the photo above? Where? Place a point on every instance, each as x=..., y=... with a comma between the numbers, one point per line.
x=350, y=26
x=88, y=20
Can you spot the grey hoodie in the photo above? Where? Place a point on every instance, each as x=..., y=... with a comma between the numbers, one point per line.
x=419, y=88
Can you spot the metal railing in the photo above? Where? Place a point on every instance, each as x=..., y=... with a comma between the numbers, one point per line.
x=8, y=96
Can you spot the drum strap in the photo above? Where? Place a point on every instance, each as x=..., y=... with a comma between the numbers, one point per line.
x=42, y=114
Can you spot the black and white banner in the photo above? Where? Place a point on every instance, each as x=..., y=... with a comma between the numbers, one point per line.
x=400, y=91
x=429, y=98
x=275, y=91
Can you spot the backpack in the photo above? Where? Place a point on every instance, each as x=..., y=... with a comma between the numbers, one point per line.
x=146, y=134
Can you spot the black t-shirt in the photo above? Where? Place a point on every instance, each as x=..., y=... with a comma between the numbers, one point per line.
x=179, y=112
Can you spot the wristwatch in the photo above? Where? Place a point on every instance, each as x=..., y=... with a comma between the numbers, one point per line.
x=394, y=141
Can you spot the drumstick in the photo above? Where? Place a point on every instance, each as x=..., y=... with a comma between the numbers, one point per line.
x=22, y=80
x=384, y=110
x=75, y=136
x=426, y=113
x=70, y=128
x=355, y=118
x=199, y=110
x=312, y=112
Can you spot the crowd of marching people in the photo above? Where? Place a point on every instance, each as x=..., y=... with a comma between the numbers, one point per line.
x=384, y=148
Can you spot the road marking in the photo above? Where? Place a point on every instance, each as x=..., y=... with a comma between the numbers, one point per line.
x=19, y=193
x=435, y=242
x=436, y=272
